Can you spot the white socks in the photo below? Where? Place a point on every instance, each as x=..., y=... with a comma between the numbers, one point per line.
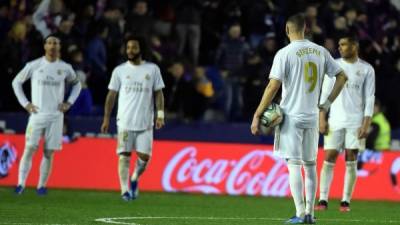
x=25, y=165
x=123, y=172
x=326, y=180
x=349, y=180
x=296, y=186
x=310, y=172
x=139, y=169
x=45, y=168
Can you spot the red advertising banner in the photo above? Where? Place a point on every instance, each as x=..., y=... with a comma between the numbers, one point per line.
x=211, y=168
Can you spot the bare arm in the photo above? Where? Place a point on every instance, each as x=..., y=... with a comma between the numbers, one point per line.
x=269, y=94
x=159, y=98
x=108, y=107
x=323, y=125
x=341, y=79
x=363, y=131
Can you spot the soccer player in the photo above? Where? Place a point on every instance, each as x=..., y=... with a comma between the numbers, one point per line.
x=138, y=83
x=299, y=67
x=349, y=120
x=48, y=76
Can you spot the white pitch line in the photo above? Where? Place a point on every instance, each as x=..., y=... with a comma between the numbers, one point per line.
x=115, y=219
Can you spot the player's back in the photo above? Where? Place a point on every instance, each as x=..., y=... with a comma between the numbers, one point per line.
x=302, y=66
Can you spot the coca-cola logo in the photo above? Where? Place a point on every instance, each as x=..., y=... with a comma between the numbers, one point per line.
x=258, y=172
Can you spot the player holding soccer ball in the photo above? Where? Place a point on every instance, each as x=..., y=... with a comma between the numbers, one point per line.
x=138, y=83
x=48, y=75
x=349, y=120
x=300, y=67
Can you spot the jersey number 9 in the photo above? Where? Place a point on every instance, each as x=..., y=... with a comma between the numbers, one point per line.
x=310, y=75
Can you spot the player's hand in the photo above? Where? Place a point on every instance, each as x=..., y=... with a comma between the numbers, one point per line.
x=31, y=108
x=104, y=126
x=323, y=127
x=255, y=124
x=63, y=107
x=159, y=123
x=362, y=132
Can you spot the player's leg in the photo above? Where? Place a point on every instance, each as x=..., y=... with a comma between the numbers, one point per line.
x=288, y=145
x=333, y=143
x=296, y=185
x=52, y=143
x=309, y=157
x=45, y=170
x=352, y=145
x=143, y=146
x=33, y=133
x=125, y=143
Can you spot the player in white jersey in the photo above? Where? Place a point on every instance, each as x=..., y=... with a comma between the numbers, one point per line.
x=138, y=84
x=299, y=67
x=349, y=120
x=48, y=76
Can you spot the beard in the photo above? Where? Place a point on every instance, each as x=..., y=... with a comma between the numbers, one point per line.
x=134, y=57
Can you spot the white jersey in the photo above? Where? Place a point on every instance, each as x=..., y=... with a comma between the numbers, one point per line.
x=300, y=66
x=356, y=100
x=47, y=85
x=136, y=85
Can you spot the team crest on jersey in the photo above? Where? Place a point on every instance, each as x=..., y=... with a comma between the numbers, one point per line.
x=147, y=77
x=41, y=71
x=359, y=72
x=59, y=72
x=128, y=77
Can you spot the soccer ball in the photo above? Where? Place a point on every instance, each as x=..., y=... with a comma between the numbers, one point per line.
x=272, y=116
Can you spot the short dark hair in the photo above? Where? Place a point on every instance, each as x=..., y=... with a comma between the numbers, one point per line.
x=352, y=38
x=142, y=44
x=51, y=35
x=298, y=20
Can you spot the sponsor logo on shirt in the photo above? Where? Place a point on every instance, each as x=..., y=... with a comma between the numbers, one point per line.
x=136, y=87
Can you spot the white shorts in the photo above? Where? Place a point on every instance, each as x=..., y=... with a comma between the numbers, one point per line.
x=51, y=128
x=140, y=141
x=346, y=138
x=293, y=142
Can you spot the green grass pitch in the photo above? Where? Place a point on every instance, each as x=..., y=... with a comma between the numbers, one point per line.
x=66, y=207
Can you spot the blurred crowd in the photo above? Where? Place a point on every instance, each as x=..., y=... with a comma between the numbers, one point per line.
x=215, y=55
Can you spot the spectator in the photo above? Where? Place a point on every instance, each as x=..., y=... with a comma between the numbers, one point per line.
x=14, y=54
x=178, y=92
x=188, y=22
x=268, y=49
x=47, y=16
x=379, y=137
x=139, y=21
x=84, y=103
x=64, y=34
x=260, y=20
x=231, y=56
x=314, y=28
x=340, y=28
x=330, y=45
x=96, y=55
x=203, y=93
x=5, y=22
